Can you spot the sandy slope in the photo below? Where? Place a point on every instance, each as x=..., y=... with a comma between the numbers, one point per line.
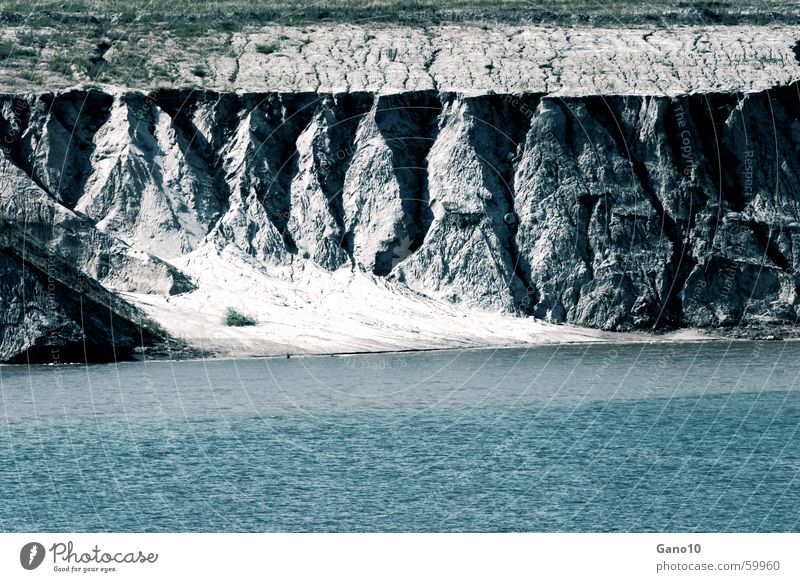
x=303, y=309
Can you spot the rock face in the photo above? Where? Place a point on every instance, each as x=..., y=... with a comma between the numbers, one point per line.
x=613, y=212
x=52, y=313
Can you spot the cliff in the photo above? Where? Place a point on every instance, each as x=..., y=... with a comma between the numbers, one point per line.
x=54, y=313
x=614, y=212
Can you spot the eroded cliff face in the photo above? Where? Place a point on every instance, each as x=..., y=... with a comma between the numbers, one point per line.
x=54, y=313
x=615, y=212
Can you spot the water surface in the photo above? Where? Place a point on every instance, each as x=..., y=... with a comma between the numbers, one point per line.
x=670, y=437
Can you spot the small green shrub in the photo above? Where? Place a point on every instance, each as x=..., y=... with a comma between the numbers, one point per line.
x=234, y=318
x=9, y=50
x=199, y=71
x=29, y=75
x=160, y=71
x=267, y=49
x=96, y=69
x=6, y=50
x=228, y=26
x=32, y=39
x=60, y=64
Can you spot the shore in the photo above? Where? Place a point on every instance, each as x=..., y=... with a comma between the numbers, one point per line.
x=303, y=310
x=184, y=352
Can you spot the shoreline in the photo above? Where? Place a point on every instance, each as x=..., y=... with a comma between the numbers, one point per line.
x=312, y=312
x=692, y=337
x=192, y=354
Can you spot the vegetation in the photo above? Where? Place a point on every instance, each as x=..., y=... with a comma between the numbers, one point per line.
x=31, y=76
x=10, y=51
x=267, y=49
x=61, y=64
x=160, y=71
x=235, y=318
x=229, y=15
x=42, y=39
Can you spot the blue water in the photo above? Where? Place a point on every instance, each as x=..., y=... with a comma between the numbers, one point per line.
x=684, y=437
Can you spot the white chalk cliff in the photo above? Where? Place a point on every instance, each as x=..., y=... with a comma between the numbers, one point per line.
x=365, y=219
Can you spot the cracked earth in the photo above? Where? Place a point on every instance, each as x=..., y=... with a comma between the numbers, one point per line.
x=468, y=59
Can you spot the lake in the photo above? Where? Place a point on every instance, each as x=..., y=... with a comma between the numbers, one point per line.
x=653, y=437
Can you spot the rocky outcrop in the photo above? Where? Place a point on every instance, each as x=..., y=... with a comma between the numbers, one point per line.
x=472, y=207
x=45, y=166
x=52, y=313
x=612, y=212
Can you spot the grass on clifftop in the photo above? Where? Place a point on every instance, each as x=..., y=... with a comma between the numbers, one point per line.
x=154, y=43
x=230, y=15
